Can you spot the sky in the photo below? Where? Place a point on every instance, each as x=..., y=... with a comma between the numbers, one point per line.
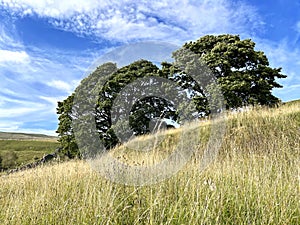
x=48, y=46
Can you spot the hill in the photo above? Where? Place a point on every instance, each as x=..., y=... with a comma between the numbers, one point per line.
x=25, y=136
x=21, y=148
x=293, y=102
x=254, y=180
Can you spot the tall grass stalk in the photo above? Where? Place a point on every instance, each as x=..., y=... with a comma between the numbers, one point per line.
x=254, y=180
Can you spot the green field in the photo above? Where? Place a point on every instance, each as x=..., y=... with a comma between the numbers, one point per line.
x=17, y=149
x=254, y=180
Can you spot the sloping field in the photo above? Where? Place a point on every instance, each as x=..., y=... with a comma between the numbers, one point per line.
x=254, y=180
x=20, y=148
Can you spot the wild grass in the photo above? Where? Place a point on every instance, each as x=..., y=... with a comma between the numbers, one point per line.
x=25, y=151
x=254, y=180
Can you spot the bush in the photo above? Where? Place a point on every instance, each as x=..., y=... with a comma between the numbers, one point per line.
x=9, y=160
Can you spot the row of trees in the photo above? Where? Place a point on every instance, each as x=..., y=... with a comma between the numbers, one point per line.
x=243, y=74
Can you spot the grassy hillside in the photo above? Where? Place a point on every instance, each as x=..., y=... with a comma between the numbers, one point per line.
x=15, y=153
x=25, y=136
x=20, y=148
x=254, y=180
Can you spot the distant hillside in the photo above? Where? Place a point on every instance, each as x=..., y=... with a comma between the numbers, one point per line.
x=21, y=148
x=25, y=136
x=292, y=102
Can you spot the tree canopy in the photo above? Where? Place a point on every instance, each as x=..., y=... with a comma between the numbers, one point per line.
x=243, y=74
x=143, y=110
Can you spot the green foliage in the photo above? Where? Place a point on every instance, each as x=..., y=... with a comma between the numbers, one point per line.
x=9, y=160
x=146, y=110
x=65, y=130
x=26, y=150
x=66, y=109
x=242, y=72
x=143, y=110
x=109, y=92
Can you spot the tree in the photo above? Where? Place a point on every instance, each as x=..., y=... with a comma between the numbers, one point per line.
x=242, y=72
x=142, y=111
x=65, y=130
x=9, y=160
x=66, y=113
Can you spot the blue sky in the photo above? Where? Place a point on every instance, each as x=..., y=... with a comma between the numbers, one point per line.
x=48, y=46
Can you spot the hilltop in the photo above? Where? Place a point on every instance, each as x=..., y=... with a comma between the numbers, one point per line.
x=25, y=136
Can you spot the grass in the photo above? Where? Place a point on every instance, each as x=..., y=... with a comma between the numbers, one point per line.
x=254, y=180
x=26, y=151
x=25, y=136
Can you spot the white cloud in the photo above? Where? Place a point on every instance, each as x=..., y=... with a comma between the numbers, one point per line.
x=174, y=20
x=294, y=87
x=54, y=8
x=14, y=56
x=298, y=27
x=53, y=102
x=24, y=115
x=18, y=111
x=64, y=86
x=27, y=75
x=9, y=126
x=13, y=100
x=280, y=54
x=7, y=39
x=11, y=50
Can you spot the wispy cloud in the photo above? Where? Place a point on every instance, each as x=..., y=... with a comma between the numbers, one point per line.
x=32, y=81
x=9, y=126
x=7, y=39
x=174, y=20
x=13, y=56
x=281, y=54
x=18, y=111
x=41, y=77
x=12, y=107
x=64, y=86
x=297, y=27
x=31, y=115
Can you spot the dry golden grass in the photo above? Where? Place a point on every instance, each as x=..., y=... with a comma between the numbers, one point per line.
x=254, y=180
